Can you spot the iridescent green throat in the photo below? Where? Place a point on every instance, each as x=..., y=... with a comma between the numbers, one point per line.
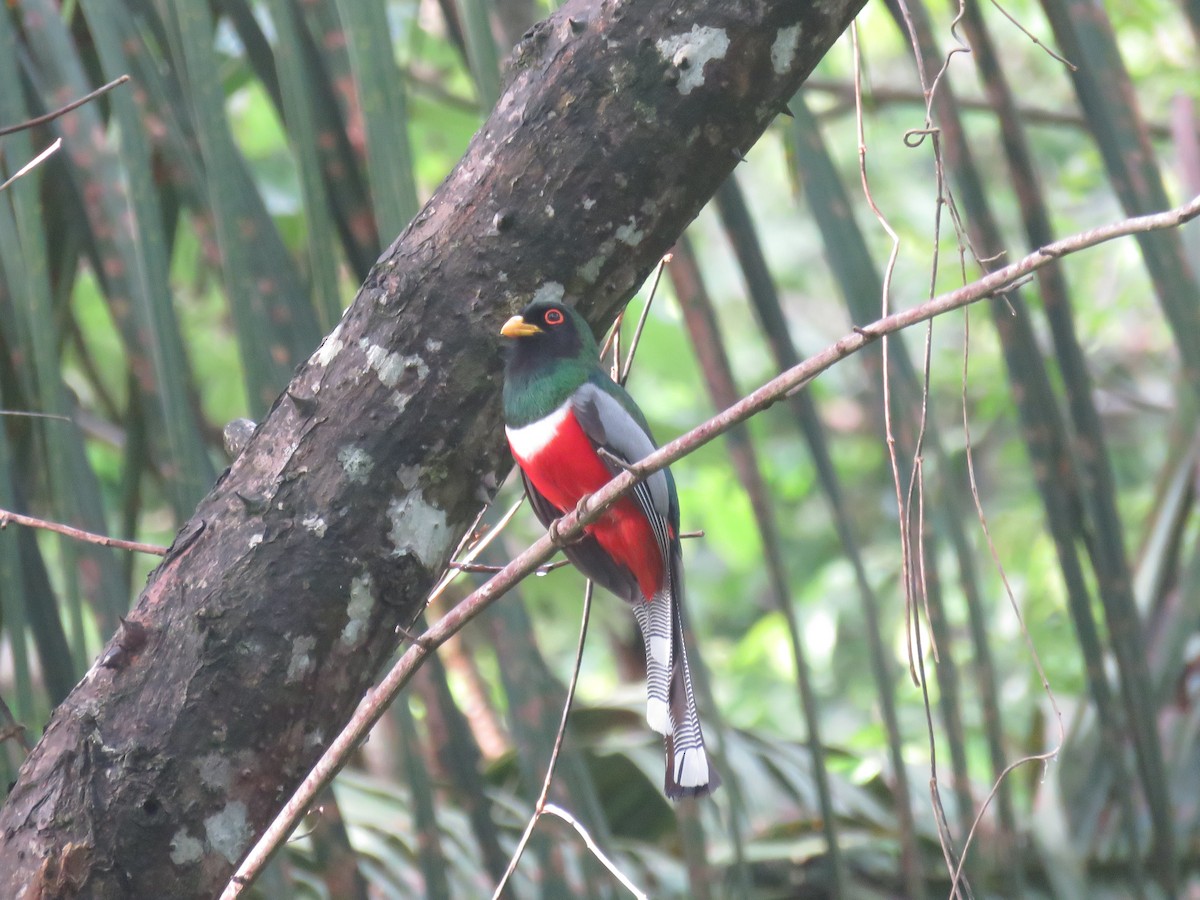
x=532, y=392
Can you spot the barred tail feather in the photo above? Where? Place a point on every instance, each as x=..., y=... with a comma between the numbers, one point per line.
x=670, y=698
x=689, y=773
x=654, y=618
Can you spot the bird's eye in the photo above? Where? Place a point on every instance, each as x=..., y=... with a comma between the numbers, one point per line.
x=554, y=317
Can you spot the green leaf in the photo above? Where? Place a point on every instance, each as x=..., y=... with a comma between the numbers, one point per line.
x=384, y=112
x=276, y=325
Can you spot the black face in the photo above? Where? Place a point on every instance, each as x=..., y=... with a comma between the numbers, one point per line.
x=548, y=316
x=559, y=336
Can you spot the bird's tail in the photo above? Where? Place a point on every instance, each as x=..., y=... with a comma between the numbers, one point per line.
x=671, y=701
x=654, y=618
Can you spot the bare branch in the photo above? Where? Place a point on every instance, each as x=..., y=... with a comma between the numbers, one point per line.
x=63, y=110
x=87, y=537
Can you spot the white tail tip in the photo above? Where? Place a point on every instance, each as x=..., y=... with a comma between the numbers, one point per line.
x=691, y=768
x=658, y=714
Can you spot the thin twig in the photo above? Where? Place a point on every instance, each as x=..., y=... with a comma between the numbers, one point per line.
x=11, y=728
x=916, y=485
x=79, y=534
x=890, y=95
x=945, y=839
x=34, y=163
x=884, y=303
x=1033, y=37
x=63, y=110
x=540, y=806
x=30, y=414
x=611, y=458
x=614, y=343
x=483, y=568
x=595, y=848
x=572, y=525
x=452, y=571
x=613, y=340
x=1012, y=600
x=641, y=323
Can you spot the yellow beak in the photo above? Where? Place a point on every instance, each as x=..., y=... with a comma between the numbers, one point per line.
x=517, y=327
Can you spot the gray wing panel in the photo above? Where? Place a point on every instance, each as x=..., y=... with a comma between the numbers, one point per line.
x=610, y=426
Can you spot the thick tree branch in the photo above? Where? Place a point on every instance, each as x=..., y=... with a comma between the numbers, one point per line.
x=280, y=598
x=571, y=526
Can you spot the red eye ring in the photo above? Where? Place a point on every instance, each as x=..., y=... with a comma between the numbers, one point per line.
x=554, y=317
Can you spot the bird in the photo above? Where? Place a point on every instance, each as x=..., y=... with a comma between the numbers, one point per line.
x=571, y=428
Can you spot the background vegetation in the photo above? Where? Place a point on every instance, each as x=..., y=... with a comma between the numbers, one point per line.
x=203, y=226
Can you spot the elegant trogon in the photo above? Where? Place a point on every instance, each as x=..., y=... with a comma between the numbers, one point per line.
x=570, y=427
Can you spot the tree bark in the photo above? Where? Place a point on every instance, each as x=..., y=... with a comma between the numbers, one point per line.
x=280, y=598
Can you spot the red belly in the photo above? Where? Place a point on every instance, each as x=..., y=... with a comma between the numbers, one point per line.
x=567, y=469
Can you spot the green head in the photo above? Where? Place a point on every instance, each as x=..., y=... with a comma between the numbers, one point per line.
x=550, y=353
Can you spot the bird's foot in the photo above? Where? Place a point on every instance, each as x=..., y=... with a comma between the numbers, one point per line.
x=556, y=536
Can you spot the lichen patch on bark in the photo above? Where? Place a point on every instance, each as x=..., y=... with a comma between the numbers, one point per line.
x=362, y=601
x=227, y=831
x=185, y=849
x=690, y=52
x=356, y=463
x=314, y=523
x=391, y=367
x=300, y=663
x=418, y=527
x=783, y=51
x=629, y=233
x=330, y=347
x=214, y=772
